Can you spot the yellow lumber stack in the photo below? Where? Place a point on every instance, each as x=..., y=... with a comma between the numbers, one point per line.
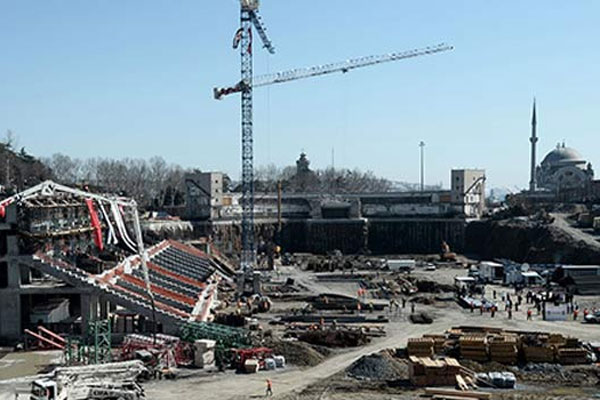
x=474, y=348
x=446, y=394
x=424, y=371
x=439, y=342
x=420, y=347
x=504, y=349
x=557, y=340
x=572, y=343
x=572, y=356
x=540, y=354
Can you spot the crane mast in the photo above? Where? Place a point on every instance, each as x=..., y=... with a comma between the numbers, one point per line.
x=249, y=18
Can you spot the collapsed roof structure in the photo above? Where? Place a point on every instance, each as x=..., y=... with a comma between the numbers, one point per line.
x=63, y=243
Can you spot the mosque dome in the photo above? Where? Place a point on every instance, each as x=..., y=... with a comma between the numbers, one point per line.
x=562, y=155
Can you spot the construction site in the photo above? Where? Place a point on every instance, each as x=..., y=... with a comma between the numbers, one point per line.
x=282, y=288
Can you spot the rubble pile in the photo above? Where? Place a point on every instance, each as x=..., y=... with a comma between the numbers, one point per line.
x=380, y=366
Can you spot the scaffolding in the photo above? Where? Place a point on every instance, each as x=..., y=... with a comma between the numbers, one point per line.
x=93, y=348
x=226, y=337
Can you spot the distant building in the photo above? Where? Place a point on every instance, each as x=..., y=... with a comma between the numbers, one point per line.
x=563, y=175
x=467, y=191
x=204, y=194
x=564, y=168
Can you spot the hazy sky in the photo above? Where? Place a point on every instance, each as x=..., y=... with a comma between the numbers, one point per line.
x=124, y=78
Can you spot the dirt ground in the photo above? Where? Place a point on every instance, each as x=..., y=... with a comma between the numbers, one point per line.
x=327, y=380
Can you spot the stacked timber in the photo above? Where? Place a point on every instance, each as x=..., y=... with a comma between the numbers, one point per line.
x=439, y=342
x=571, y=343
x=474, y=348
x=539, y=354
x=425, y=371
x=420, y=347
x=556, y=340
x=504, y=349
x=571, y=356
x=450, y=394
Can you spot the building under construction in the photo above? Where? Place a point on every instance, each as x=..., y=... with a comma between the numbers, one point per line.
x=68, y=257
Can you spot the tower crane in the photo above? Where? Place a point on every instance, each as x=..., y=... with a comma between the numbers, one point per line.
x=249, y=17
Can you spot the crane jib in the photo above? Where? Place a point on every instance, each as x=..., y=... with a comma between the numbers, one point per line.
x=343, y=67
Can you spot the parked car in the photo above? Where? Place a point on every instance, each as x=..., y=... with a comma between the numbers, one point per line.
x=593, y=318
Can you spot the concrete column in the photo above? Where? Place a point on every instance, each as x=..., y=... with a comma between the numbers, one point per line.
x=10, y=315
x=11, y=324
x=89, y=309
x=104, y=305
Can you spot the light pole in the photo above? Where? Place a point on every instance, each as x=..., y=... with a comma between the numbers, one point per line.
x=422, y=146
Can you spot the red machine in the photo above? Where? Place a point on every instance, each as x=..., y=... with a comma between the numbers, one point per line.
x=169, y=351
x=257, y=353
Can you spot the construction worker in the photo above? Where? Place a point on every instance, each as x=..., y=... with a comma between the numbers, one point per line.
x=269, y=388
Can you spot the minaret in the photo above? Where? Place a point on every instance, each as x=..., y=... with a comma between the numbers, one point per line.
x=533, y=139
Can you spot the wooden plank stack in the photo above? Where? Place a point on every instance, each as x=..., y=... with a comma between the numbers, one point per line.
x=439, y=342
x=539, y=354
x=474, y=348
x=504, y=349
x=449, y=394
x=570, y=356
x=556, y=339
x=425, y=371
x=420, y=347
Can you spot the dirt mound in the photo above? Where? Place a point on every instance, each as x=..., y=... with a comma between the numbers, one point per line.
x=576, y=375
x=299, y=353
x=421, y=318
x=541, y=373
x=524, y=240
x=381, y=367
x=338, y=338
x=429, y=286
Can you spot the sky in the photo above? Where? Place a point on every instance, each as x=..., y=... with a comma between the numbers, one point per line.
x=133, y=78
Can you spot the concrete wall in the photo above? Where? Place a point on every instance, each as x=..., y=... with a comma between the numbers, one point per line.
x=351, y=236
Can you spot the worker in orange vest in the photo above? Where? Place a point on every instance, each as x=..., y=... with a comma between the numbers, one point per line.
x=269, y=388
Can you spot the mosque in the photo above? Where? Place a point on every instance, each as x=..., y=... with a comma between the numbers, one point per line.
x=563, y=170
